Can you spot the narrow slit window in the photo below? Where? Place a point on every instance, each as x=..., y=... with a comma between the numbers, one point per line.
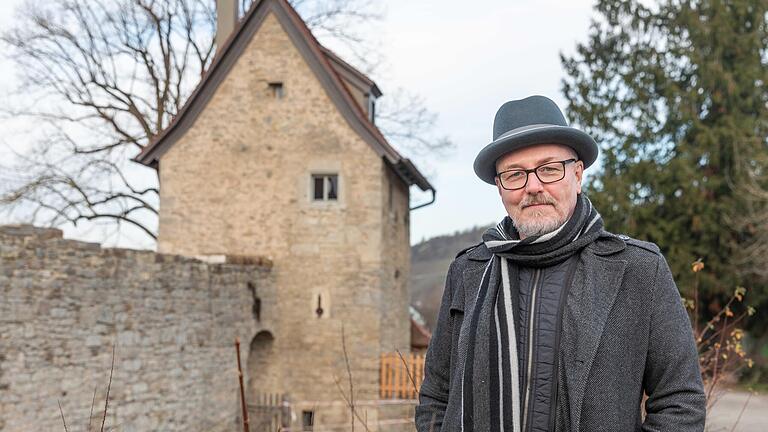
x=325, y=187
x=372, y=109
x=276, y=90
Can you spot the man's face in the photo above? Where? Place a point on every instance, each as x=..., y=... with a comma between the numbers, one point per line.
x=540, y=208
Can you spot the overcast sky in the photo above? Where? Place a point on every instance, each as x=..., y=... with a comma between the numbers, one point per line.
x=465, y=59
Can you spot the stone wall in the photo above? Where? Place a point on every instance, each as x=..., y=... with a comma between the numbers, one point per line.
x=172, y=320
x=396, y=265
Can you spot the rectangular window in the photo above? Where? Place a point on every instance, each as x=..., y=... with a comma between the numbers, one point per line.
x=276, y=88
x=325, y=187
x=307, y=420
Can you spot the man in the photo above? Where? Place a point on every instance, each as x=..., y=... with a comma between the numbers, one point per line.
x=552, y=323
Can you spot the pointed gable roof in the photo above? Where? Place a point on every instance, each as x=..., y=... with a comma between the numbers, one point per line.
x=327, y=67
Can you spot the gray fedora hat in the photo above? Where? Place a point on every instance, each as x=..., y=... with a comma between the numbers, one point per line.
x=525, y=122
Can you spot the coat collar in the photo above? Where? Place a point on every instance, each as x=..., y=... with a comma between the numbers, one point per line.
x=608, y=244
x=479, y=253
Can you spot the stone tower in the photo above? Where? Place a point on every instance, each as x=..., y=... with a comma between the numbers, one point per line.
x=276, y=154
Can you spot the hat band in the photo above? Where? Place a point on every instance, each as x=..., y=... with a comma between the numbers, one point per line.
x=523, y=129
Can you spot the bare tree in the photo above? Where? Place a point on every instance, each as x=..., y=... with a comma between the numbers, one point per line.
x=101, y=78
x=345, y=23
x=405, y=120
x=750, y=181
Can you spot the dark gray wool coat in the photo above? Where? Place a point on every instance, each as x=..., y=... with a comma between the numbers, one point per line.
x=624, y=332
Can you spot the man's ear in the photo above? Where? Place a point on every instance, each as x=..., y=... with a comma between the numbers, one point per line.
x=579, y=172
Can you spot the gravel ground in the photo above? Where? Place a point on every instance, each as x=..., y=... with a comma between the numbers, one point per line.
x=723, y=415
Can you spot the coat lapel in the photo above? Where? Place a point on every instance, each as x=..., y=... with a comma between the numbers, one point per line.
x=476, y=263
x=591, y=297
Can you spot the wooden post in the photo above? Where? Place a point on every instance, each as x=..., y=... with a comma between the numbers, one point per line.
x=390, y=377
x=382, y=379
x=242, y=390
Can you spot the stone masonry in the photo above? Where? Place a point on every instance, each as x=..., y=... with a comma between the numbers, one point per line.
x=172, y=320
x=239, y=182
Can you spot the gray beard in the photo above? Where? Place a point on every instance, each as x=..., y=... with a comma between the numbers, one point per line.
x=537, y=227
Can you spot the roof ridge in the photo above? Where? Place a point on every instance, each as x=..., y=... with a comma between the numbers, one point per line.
x=351, y=69
x=394, y=154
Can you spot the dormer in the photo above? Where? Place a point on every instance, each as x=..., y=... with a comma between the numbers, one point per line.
x=362, y=88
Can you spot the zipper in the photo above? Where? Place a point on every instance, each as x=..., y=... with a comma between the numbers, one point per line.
x=531, y=316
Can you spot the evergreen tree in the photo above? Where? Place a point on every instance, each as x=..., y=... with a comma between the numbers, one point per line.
x=675, y=94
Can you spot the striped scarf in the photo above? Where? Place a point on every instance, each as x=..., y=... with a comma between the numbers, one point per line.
x=491, y=361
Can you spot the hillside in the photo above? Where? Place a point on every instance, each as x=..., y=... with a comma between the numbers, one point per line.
x=429, y=265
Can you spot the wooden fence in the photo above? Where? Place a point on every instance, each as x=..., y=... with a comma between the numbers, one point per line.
x=269, y=412
x=401, y=377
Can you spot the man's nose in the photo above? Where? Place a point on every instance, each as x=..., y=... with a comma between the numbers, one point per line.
x=534, y=184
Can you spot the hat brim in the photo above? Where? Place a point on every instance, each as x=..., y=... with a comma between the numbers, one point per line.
x=583, y=144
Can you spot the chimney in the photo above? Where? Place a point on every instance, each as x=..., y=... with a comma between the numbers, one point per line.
x=226, y=18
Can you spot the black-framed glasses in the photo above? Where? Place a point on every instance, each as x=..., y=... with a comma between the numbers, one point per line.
x=549, y=172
